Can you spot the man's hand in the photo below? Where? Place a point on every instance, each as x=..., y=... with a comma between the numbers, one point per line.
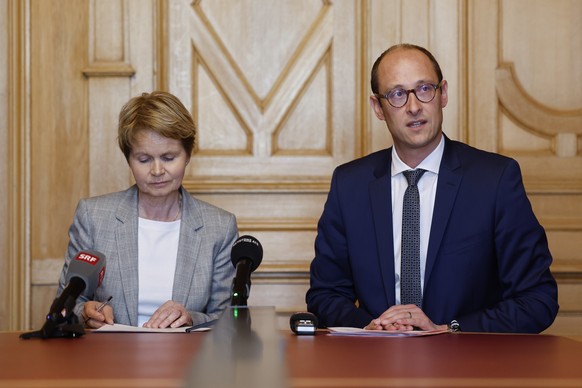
x=403, y=317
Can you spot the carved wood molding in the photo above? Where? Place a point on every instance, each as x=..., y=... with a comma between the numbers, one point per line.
x=552, y=186
x=290, y=274
x=286, y=225
x=565, y=270
x=18, y=253
x=108, y=45
x=264, y=116
x=564, y=127
x=314, y=42
x=530, y=113
x=202, y=185
x=324, y=65
x=109, y=69
x=562, y=224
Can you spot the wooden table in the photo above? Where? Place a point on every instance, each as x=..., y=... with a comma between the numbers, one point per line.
x=446, y=360
x=163, y=360
x=97, y=360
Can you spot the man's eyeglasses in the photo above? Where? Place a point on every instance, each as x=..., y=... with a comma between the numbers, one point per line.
x=399, y=97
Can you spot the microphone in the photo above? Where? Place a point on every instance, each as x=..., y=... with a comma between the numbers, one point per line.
x=85, y=274
x=89, y=267
x=246, y=255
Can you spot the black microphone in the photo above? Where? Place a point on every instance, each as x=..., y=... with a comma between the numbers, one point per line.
x=246, y=255
x=84, y=275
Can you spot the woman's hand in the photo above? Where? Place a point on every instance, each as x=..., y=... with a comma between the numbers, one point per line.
x=95, y=319
x=170, y=314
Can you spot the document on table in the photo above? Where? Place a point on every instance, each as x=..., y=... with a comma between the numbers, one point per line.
x=118, y=328
x=355, y=331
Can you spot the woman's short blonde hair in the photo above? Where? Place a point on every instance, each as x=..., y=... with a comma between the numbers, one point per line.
x=160, y=112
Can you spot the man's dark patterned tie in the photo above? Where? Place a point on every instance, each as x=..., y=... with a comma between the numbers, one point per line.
x=410, y=292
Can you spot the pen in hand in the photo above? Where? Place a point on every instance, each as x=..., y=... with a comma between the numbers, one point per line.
x=100, y=307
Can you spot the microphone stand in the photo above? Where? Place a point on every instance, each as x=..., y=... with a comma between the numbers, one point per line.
x=241, y=284
x=59, y=324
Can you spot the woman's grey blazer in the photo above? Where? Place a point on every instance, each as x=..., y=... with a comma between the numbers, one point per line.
x=204, y=272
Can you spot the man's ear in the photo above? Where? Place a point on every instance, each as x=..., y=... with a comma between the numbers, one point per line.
x=444, y=94
x=377, y=107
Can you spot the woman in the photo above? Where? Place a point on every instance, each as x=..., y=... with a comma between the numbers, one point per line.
x=167, y=253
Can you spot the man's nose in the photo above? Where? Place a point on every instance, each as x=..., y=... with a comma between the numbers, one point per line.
x=413, y=105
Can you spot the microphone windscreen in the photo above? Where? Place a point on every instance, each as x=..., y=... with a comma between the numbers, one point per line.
x=89, y=266
x=247, y=247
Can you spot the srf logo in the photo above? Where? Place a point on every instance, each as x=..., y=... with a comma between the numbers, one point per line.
x=82, y=256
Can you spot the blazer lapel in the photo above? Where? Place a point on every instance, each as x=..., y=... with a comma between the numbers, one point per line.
x=188, y=248
x=380, y=199
x=449, y=180
x=126, y=236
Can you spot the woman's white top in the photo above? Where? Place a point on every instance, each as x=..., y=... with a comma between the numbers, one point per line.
x=157, y=253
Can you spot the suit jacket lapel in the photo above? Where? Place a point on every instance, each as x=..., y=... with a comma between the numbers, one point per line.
x=449, y=180
x=126, y=236
x=381, y=201
x=188, y=248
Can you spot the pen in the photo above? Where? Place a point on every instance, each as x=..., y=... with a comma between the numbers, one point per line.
x=100, y=307
x=201, y=325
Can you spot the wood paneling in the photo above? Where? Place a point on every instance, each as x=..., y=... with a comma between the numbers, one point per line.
x=59, y=145
x=14, y=134
x=5, y=273
x=521, y=104
x=272, y=88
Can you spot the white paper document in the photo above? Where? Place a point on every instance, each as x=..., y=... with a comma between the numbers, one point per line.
x=118, y=328
x=355, y=331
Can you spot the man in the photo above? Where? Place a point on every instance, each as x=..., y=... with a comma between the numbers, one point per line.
x=482, y=258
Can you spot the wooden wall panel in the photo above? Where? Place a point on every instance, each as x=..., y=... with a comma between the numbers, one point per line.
x=5, y=278
x=59, y=161
x=272, y=89
x=14, y=131
x=251, y=100
x=82, y=72
x=521, y=104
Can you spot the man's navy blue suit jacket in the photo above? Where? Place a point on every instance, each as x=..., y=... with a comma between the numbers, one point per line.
x=487, y=262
